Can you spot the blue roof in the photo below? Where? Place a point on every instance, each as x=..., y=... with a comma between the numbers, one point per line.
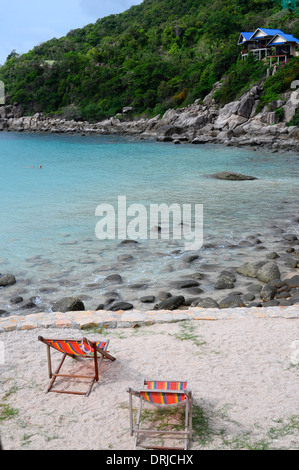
x=246, y=37
x=268, y=32
x=287, y=37
x=271, y=32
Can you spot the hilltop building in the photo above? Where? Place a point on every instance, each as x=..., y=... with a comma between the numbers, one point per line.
x=269, y=43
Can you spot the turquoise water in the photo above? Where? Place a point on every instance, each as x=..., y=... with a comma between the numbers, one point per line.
x=47, y=215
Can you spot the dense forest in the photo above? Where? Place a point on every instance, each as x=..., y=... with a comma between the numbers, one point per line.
x=157, y=55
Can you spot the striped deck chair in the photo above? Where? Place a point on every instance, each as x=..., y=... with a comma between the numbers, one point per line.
x=76, y=349
x=163, y=394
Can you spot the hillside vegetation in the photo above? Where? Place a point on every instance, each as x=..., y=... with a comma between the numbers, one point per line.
x=157, y=55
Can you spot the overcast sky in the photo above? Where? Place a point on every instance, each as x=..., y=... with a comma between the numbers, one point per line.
x=26, y=23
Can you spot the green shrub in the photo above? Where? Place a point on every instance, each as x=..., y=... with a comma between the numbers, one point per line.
x=295, y=120
x=279, y=83
x=240, y=77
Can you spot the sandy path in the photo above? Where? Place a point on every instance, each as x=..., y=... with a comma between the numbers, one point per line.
x=242, y=373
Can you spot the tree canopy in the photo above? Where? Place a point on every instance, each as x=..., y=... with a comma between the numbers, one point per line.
x=156, y=55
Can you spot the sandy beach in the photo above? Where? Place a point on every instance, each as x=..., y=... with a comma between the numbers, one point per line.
x=243, y=375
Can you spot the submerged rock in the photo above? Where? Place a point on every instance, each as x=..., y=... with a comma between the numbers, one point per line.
x=7, y=280
x=114, y=278
x=148, y=299
x=290, y=237
x=17, y=299
x=250, y=269
x=121, y=306
x=226, y=280
x=232, y=176
x=188, y=284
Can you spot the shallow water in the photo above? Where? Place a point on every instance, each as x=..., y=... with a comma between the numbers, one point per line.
x=47, y=215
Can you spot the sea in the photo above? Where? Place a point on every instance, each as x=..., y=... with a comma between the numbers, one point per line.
x=51, y=187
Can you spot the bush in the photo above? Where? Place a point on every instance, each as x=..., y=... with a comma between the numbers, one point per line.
x=240, y=77
x=279, y=83
x=295, y=120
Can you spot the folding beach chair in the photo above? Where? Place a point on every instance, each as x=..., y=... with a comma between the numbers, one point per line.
x=163, y=394
x=76, y=349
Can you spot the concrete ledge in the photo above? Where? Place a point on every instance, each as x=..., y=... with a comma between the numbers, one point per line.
x=133, y=318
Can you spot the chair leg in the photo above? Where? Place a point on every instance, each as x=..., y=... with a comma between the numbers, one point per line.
x=138, y=423
x=96, y=365
x=191, y=417
x=49, y=361
x=131, y=414
x=57, y=372
x=186, y=423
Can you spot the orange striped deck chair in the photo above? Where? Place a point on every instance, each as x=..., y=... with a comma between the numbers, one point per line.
x=76, y=349
x=162, y=393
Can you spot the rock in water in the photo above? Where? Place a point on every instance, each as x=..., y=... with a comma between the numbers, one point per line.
x=7, y=280
x=69, y=304
x=226, y=280
x=268, y=293
x=231, y=176
x=290, y=237
x=250, y=269
x=268, y=272
x=231, y=301
x=148, y=299
x=171, y=304
x=114, y=278
x=208, y=302
x=121, y=306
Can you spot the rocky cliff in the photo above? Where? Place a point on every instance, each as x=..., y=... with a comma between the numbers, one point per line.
x=237, y=123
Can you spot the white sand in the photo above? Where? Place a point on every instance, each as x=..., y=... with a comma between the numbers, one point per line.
x=241, y=372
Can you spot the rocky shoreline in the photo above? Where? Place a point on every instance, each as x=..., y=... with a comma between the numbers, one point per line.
x=264, y=279
x=237, y=124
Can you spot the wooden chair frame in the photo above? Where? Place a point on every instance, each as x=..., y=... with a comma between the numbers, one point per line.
x=186, y=434
x=97, y=355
